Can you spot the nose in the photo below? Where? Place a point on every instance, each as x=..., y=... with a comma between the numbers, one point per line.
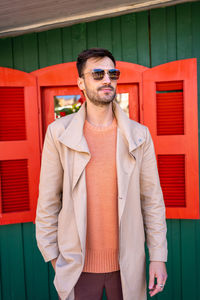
x=106, y=78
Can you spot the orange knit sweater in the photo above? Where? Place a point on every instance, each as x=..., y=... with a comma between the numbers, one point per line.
x=102, y=209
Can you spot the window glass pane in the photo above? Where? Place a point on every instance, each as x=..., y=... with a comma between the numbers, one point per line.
x=66, y=104
x=123, y=100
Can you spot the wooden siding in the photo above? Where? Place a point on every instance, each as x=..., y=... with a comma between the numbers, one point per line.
x=148, y=38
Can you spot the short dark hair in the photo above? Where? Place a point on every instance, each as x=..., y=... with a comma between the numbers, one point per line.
x=92, y=53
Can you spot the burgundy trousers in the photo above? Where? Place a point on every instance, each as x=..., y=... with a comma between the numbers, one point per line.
x=90, y=286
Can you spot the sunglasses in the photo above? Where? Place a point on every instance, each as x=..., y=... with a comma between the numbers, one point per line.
x=98, y=74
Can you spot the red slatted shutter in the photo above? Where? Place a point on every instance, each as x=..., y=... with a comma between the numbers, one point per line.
x=19, y=144
x=170, y=112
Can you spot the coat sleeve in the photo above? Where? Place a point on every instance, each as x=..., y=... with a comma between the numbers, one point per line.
x=49, y=201
x=152, y=203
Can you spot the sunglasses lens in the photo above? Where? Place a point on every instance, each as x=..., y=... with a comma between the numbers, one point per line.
x=98, y=74
x=114, y=74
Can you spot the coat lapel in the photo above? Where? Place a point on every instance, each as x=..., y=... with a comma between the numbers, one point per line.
x=74, y=139
x=129, y=138
x=125, y=166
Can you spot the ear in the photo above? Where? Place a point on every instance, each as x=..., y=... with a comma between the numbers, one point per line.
x=81, y=84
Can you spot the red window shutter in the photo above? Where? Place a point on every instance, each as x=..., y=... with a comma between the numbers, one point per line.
x=170, y=112
x=19, y=144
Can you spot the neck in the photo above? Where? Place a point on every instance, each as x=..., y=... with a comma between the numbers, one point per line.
x=101, y=116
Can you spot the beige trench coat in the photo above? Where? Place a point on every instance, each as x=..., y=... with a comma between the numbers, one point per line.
x=61, y=212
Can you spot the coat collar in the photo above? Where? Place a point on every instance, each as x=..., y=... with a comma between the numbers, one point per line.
x=73, y=136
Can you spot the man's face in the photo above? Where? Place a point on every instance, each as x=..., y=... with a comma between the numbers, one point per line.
x=99, y=92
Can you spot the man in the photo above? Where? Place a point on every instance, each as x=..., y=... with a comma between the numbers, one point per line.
x=100, y=195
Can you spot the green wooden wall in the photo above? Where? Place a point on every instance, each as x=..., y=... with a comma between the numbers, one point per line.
x=148, y=38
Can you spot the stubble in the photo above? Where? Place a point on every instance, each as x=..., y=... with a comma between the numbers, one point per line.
x=98, y=100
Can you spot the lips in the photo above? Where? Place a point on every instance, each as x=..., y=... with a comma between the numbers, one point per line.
x=106, y=89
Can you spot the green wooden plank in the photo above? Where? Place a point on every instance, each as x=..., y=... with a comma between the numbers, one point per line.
x=158, y=36
x=30, y=45
x=1, y=293
x=12, y=263
x=1, y=296
x=50, y=48
x=173, y=288
x=52, y=291
x=129, y=38
x=171, y=33
x=116, y=38
x=142, y=32
x=189, y=262
x=78, y=39
x=29, y=267
x=67, y=44
x=175, y=276
x=42, y=50
x=25, y=52
x=197, y=229
x=167, y=292
x=54, y=46
x=1, y=271
x=91, y=35
x=36, y=270
x=184, y=31
x=104, y=35
x=6, y=57
x=18, y=53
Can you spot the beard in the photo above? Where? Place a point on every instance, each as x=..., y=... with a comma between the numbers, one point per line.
x=98, y=100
